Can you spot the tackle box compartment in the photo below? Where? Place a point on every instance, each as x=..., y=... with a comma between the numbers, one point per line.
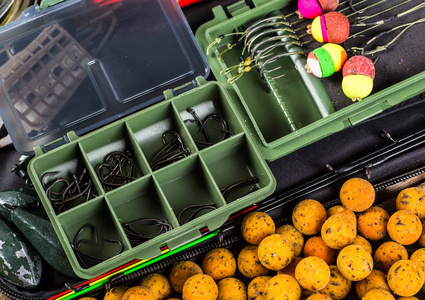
x=291, y=108
x=106, y=94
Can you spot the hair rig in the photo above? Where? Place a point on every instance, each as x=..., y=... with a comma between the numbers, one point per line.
x=274, y=37
x=264, y=43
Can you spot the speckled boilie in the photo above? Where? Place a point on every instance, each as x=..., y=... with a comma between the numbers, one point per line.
x=357, y=194
x=308, y=216
x=412, y=199
x=181, y=271
x=405, y=278
x=256, y=288
x=256, y=226
x=313, y=281
x=375, y=280
x=158, y=284
x=372, y=223
x=387, y=254
x=231, y=289
x=200, y=287
x=282, y=287
x=338, y=231
x=404, y=227
x=354, y=262
x=275, y=252
x=249, y=264
x=219, y=263
x=338, y=286
x=294, y=236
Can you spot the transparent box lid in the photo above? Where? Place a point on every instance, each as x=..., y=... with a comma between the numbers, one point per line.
x=81, y=64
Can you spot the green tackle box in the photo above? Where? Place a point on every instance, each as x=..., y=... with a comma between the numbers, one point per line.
x=291, y=108
x=87, y=78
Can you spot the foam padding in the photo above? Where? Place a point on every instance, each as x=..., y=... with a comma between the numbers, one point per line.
x=359, y=65
x=309, y=9
x=357, y=87
x=317, y=29
x=337, y=27
x=328, y=5
x=326, y=62
x=338, y=54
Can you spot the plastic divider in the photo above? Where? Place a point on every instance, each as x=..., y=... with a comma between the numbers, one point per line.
x=149, y=127
x=211, y=106
x=187, y=186
x=142, y=205
x=244, y=172
x=138, y=153
x=95, y=231
x=104, y=151
x=183, y=130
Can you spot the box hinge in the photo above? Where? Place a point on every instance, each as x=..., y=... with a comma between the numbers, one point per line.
x=69, y=137
x=38, y=150
x=170, y=93
x=369, y=112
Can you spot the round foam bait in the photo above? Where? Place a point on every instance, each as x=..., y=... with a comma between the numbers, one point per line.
x=326, y=60
x=359, y=65
x=310, y=9
x=358, y=75
x=332, y=27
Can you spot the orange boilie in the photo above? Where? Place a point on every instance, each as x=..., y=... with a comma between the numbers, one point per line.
x=308, y=216
x=372, y=223
x=404, y=227
x=315, y=246
x=357, y=194
x=200, y=287
x=256, y=226
x=412, y=199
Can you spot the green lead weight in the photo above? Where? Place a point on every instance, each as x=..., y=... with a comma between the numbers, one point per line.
x=11, y=199
x=20, y=263
x=40, y=233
